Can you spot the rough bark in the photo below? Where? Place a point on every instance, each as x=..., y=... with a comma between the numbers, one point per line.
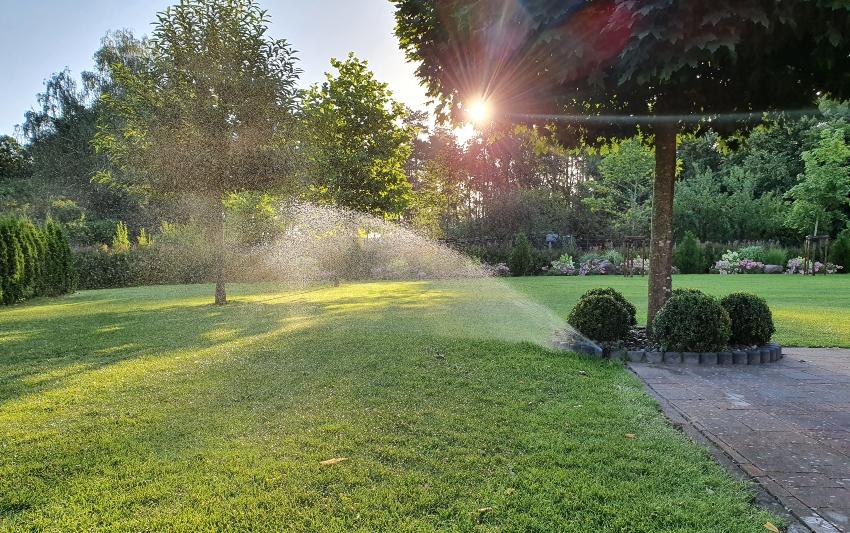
x=661, y=239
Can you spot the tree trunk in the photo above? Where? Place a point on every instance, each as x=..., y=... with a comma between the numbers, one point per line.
x=217, y=228
x=661, y=239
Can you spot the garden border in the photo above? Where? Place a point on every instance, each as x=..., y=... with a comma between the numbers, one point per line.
x=769, y=353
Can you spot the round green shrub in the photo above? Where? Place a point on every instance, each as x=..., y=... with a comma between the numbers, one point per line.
x=752, y=322
x=686, y=291
x=618, y=296
x=692, y=322
x=600, y=317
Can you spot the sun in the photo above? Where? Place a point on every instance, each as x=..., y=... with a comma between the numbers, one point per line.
x=479, y=111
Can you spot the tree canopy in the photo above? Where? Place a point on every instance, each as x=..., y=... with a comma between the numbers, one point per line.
x=213, y=113
x=602, y=69
x=357, y=142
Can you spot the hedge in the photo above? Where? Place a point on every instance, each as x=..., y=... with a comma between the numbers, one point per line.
x=33, y=261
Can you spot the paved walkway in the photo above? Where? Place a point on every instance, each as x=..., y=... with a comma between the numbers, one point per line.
x=786, y=424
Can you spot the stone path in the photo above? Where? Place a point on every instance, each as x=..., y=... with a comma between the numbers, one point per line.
x=787, y=425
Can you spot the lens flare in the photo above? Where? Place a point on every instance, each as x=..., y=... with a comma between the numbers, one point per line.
x=479, y=111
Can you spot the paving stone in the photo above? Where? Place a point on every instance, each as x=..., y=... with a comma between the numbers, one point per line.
x=786, y=423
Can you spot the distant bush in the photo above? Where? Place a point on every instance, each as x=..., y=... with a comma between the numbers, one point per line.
x=751, y=320
x=33, y=261
x=693, y=322
x=600, y=317
x=711, y=253
x=775, y=256
x=687, y=256
x=839, y=252
x=521, y=259
x=618, y=296
x=614, y=257
x=753, y=253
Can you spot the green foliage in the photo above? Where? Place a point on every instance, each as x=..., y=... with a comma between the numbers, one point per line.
x=624, y=191
x=822, y=199
x=839, y=252
x=357, y=143
x=121, y=239
x=618, y=296
x=600, y=317
x=13, y=159
x=143, y=240
x=754, y=252
x=521, y=260
x=775, y=256
x=692, y=322
x=212, y=113
x=251, y=218
x=723, y=206
x=61, y=278
x=751, y=319
x=687, y=256
x=33, y=261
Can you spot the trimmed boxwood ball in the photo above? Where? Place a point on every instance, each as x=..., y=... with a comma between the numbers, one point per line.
x=618, y=296
x=686, y=291
x=752, y=321
x=600, y=317
x=691, y=321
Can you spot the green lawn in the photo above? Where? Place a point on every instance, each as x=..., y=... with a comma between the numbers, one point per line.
x=148, y=409
x=808, y=311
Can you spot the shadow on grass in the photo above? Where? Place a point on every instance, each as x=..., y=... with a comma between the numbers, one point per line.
x=60, y=340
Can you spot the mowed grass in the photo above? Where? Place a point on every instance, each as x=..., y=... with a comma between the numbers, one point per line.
x=807, y=310
x=149, y=409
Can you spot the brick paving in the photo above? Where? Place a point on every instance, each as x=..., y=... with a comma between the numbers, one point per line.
x=787, y=425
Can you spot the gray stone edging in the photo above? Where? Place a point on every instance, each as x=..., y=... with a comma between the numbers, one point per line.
x=757, y=356
x=769, y=353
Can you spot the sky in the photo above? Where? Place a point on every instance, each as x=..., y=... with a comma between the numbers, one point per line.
x=40, y=37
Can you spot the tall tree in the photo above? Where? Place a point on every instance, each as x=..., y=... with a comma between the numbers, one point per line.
x=602, y=68
x=212, y=115
x=821, y=201
x=625, y=186
x=357, y=142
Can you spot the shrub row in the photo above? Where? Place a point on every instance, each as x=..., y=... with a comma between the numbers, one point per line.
x=690, y=321
x=34, y=261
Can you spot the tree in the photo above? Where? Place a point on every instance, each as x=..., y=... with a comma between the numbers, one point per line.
x=626, y=185
x=599, y=69
x=13, y=159
x=61, y=129
x=213, y=113
x=822, y=198
x=357, y=143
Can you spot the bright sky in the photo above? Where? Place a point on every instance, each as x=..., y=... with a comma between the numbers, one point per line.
x=40, y=37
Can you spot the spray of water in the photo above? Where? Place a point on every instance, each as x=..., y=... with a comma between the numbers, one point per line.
x=328, y=245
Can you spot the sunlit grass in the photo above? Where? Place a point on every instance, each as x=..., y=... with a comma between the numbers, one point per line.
x=149, y=409
x=807, y=310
